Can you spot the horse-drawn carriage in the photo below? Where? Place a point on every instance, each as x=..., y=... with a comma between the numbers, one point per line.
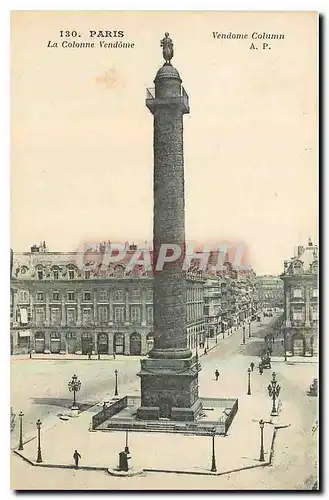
x=265, y=361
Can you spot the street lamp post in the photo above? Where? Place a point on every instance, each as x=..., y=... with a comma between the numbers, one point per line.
x=249, y=389
x=208, y=339
x=285, y=346
x=274, y=391
x=261, y=456
x=116, y=382
x=39, y=457
x=74, y=386
x=127, y=447
x=249, y=329
x=244, y=334
x=213, y=459
x=21, y=415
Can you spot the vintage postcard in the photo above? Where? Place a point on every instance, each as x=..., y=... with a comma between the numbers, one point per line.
x=164, y=304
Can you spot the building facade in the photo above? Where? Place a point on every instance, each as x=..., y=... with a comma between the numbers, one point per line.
x=270, y=291
x=73, y=303
x=301, y=302
x=213, y=307
x=69, y=303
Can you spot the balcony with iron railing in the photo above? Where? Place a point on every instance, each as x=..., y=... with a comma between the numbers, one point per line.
x=152, y=102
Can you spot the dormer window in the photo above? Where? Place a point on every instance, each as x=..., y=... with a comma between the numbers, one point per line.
x=315, y=267
x=40, y=274
x=298, y=267
x=71, y=274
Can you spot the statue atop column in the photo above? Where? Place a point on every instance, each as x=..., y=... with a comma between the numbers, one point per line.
x=167, y=48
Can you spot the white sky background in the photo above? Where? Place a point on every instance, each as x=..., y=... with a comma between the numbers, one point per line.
x=82, y=156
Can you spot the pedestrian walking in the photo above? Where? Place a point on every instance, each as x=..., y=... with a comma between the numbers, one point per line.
x=76, y=457
x=216, y=374
x=114, y=355
x=99, y=356
x=30, y=353
x=89, y=355
x=252, y=366
x=205, y=350
x=261, y=369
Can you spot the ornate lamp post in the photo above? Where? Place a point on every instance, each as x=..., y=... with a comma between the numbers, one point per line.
x=261, y=455
x=249, y=389
x=116, y=382
x=39, y=457
x=213, y=459
x=74, y=386
x=274, y=391
x=21, y=415
x=244, y=335
x=127, y=447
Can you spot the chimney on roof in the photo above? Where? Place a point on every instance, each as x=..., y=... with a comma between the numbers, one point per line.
x=300, y=250
x=310, y=244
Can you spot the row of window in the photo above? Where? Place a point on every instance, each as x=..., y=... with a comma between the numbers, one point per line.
x=71, y=274
x=298, y=293
x=298, y=314
x=194, y=294
x=194, y=311
x=87, y=342
x=103, y=296
x=24, y=316
x=191, y=330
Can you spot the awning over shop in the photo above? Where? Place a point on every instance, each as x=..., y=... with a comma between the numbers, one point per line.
x=23, y=314
x=24, y=333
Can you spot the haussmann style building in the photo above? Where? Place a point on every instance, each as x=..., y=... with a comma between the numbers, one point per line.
x=65, y=302
x=301, y=302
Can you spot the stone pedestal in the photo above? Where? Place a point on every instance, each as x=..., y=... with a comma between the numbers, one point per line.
x=169, y=389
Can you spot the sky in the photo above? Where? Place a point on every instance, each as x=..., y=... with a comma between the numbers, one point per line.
x=81, y=136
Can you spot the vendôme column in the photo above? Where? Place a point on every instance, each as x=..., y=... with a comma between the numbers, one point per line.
x=169, y=377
